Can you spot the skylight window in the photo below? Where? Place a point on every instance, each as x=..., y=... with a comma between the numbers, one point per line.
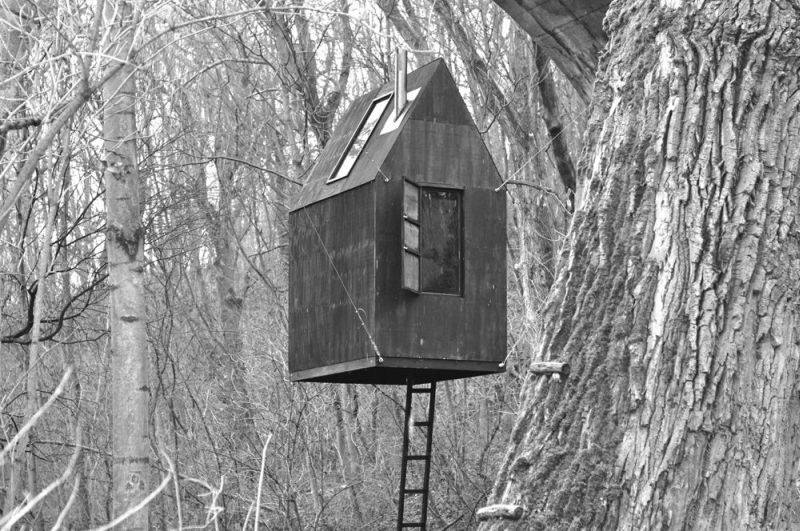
x=360, y=138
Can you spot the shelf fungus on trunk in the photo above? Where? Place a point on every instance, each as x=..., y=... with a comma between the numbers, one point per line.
x=501, y=510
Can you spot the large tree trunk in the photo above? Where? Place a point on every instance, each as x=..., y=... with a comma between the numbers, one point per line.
x=125, y=249
x=678, y=298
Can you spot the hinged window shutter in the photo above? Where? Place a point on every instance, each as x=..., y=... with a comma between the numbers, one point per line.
x=410, y=236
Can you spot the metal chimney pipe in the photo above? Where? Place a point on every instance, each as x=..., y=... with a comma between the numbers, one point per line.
x=399, y=82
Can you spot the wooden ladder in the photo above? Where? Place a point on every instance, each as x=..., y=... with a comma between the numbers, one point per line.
x=425, y=425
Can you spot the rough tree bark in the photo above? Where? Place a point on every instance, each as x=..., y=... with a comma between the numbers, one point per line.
x=125, y=250
x=678, y=298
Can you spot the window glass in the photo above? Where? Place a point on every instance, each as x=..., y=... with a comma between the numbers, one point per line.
x=359, y=139
x=440, y=241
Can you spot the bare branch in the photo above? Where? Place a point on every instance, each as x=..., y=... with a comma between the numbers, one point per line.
x=496, y=101
x=19, y=123
x=261, y=482
x=35, y=417
x=555, y=128
x=8, y=521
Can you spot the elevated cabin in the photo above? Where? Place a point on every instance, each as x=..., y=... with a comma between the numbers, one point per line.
x=398, y=244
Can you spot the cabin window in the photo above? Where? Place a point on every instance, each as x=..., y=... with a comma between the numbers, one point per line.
x=360, y=138
x=432, y=239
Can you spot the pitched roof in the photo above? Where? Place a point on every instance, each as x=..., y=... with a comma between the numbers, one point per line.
x=373, y=152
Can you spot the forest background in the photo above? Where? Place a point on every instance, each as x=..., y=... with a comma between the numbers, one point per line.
x=222, y=108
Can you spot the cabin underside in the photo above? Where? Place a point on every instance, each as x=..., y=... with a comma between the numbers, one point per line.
x=396, y=371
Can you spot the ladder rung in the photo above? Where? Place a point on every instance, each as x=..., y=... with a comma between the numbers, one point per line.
x=422, y=423
x=413, y=524
x=421, y=390
x=421, y=457
x=415, y=491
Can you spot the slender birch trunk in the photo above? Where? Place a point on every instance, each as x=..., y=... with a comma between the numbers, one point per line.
x=80, y=516
x=347, y=459
x=11, y=43
x=316, y=492
x=35, y=350
x=231, y=300
x=11, y=47
x=125, y=250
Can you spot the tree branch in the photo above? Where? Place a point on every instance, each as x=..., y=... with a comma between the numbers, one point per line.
x=19, y=123
x=555, y=128
x=408, y=32
x=62, y=317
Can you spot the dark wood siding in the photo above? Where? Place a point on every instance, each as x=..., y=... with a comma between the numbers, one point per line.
x=441, y=101
x=432, y=326
x=323, y=327
x=430, y=152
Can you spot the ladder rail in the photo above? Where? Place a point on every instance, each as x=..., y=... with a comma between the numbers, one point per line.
x=428, y=452
x=402, y=495
x=424, y=491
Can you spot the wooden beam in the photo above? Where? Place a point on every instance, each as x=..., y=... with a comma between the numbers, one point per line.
x=500, y=510
x=569, y=31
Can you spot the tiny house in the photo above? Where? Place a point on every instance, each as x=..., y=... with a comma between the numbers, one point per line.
x=398, y=244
